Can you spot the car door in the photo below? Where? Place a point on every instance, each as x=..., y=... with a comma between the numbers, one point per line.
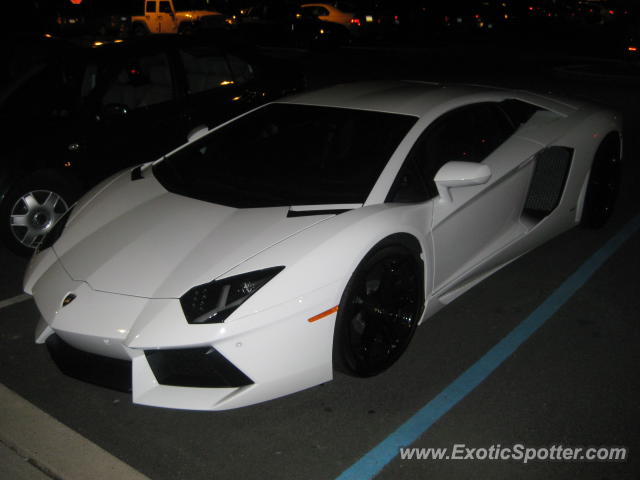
x=217, y=85
x=478, y=219
x=151, y=16
x=136, y=115
x=167, y=22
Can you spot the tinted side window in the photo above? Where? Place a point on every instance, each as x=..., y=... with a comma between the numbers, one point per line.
x=315, y=11
x=518, y=112
x=467, y=134
x=151, y=7
x=242, y=71
x=165, y=7
x=492, y=129
x=307, y=12
x=205, y=69
x=50, y=92
x=140, y=82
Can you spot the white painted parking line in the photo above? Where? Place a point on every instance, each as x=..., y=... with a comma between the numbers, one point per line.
x=53, y=447
x=13, y=300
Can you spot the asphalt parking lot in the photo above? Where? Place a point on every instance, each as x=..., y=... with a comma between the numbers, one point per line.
x=572, y=382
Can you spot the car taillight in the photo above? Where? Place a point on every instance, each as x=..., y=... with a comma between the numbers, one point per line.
x=355, y=21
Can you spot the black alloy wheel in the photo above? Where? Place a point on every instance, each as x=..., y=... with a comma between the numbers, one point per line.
x=379, y=311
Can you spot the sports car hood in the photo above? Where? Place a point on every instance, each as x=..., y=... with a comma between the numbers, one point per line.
x=135, y=238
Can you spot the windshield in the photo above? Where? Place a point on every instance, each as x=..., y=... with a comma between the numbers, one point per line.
x=283, y=155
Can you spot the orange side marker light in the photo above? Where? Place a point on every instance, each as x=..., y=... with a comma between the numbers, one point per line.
x=326, y=313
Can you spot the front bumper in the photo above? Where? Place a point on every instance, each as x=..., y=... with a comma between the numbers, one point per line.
x=187, y=367
x=146, y=345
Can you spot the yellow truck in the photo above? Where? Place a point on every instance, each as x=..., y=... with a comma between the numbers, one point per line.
x=175, y=16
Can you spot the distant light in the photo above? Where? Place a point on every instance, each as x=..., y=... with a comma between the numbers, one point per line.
x=632, y=49
x=235, y=99
x=227, y=82
x=355, y=21
x=118, y=40
x=611, y=12
x=48, y=35
x=97, y=44
x=67, y=164
x=76, y=2
x=322, y=31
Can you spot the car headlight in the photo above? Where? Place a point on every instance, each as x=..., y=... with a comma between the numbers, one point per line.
x=55, y=232
x=213, y=302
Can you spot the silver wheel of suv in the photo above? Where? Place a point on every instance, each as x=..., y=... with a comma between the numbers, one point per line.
x=33, y=215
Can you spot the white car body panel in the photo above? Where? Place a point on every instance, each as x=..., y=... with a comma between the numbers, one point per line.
x=131, y=249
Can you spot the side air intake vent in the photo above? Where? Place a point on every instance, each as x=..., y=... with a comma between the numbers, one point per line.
x=136, y=173
x=547, y=184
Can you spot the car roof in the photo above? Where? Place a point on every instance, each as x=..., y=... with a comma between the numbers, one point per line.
x=417, y=98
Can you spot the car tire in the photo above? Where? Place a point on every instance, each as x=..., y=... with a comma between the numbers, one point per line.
x=186, y=28
x=604, y=183
x=31, y=208
x=140, y=30
x=379, y=310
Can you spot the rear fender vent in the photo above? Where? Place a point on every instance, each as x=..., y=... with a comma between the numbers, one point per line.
x=547, y=183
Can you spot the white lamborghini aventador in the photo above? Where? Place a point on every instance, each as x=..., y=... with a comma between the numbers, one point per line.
x=311, y=234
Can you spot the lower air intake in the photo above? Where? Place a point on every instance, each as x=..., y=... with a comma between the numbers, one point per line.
x=104, y=371
x=195, y=367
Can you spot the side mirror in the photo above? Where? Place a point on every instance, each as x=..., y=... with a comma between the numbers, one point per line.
x=113, y=111
x=460, y=174
x=197, y=132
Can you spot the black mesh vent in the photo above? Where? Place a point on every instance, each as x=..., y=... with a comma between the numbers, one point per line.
x=547, y=184
x=104, y=371
x=195, y=367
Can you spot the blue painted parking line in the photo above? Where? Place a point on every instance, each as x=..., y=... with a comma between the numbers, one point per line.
x=375, y=460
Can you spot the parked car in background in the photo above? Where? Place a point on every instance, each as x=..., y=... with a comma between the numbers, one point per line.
x=92, y=111
x=175, y=16
x=329, y=13
x=376, y=23
x=89, y=17
x=283, y=23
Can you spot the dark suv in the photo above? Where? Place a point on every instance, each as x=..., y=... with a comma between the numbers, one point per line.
x=90, y=112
